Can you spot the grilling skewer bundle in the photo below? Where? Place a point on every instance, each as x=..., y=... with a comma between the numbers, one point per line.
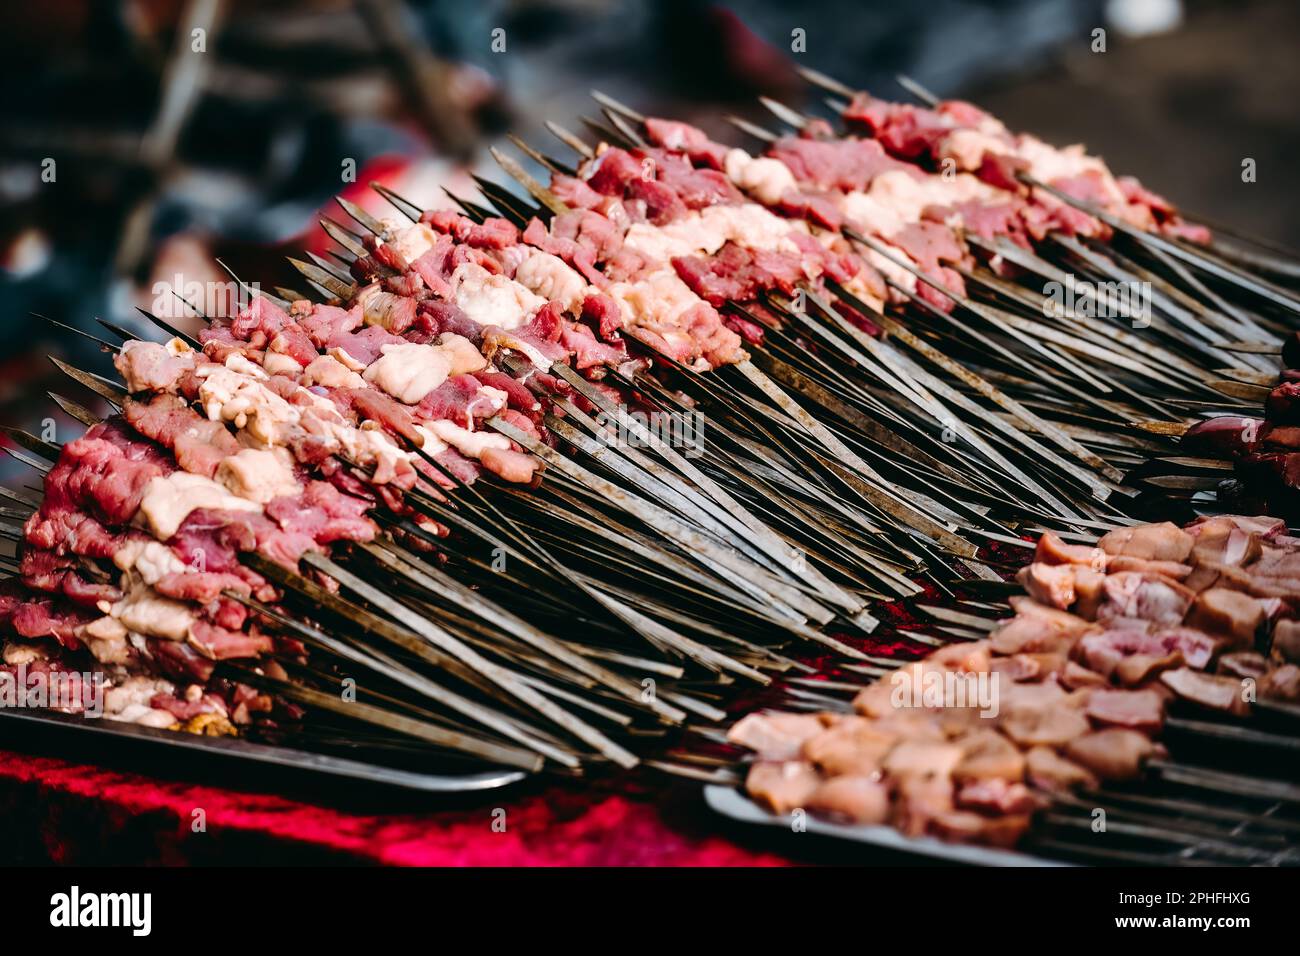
x=247, y=379
x=241, y=393
x=1213, y=322
x=1113, y=647
x=876, y=404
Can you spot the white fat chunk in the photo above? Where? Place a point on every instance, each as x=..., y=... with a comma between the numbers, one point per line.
x=433, y=445
x=149, y=560
x=408, y=372
x=682, y=237
x=656, y=301
x=464, y=354
x=243, y=365
x=21, y=652
x=129, y=702
x=871, y=214
x=897, y=199
x=167, y=502
x=554, y=280
x=147, y=612
x=492, y=299
x=108, y=650
x=704, y=233
x=330, y=372
x=766, y=179
x=144, y=716
x=468, y=443
x=135, y=690
x=1048, y=162
x=889, y=269
x=105, y=628
x=371, y=446
x=233, y=395
x=344, y=357
x=858, y=288
x=967, y=147
x=277, y=363
x=907, y=197
x=367, y=445
x=752, y=226
x=413, y=242
x=258, y=475
x=148, y=366
x=267, y=420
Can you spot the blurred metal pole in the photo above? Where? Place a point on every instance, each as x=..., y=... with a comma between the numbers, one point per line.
x=182, y=80
x=181, y=83
x=425, y=79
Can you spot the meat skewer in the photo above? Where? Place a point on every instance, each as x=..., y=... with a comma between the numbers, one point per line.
x=1009, y=250
x=1106, y=636
x=112, y=394
x=950, y=540
x=815, y=434
x=1133, y=194
x=92, y=639
x=1004, y=247
x=1258, y=444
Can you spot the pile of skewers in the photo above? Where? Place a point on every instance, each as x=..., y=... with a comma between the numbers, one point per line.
x=968, y=742
x=433, y=478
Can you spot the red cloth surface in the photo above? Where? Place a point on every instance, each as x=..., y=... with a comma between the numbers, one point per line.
x=60, y=812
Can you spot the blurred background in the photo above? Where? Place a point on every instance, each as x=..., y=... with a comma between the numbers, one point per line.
x=142, y=139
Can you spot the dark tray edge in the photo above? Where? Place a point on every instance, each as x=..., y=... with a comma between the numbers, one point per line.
x=80, y=731
x=731, y=803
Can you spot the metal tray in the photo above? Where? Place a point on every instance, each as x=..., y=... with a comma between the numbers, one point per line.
x=731, y=803
x=170, y=754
